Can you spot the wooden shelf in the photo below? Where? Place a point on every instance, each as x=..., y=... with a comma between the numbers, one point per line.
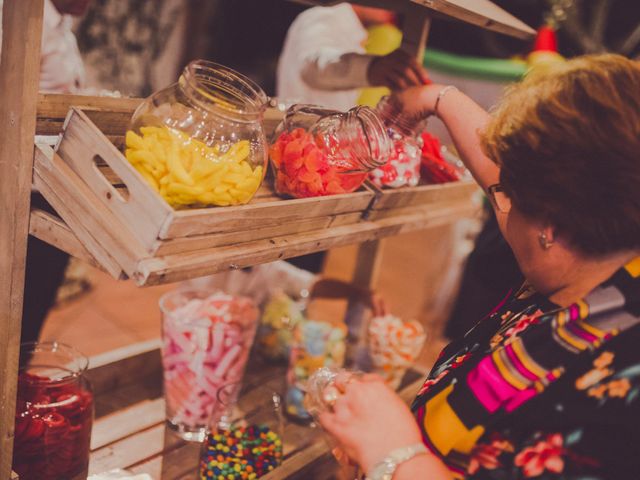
x=482, y=13
x=146, y=240
x=129, y=431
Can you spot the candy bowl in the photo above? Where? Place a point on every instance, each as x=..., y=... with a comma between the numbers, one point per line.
x=279, y=318
x=245, y=435
x=403, y=166
x=201, y=141
x=394, y=346
x=207, y=337
x=317, y=152
x=316, y=344
x=54, y=413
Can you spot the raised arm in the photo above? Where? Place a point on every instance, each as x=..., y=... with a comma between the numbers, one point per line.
x=463, y=118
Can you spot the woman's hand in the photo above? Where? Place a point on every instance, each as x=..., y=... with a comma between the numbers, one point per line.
x=420, y=100
x=369, y=420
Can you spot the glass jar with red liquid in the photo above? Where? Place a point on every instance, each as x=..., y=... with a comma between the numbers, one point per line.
x=403, y=129
x=318, y=152
x=54, y=414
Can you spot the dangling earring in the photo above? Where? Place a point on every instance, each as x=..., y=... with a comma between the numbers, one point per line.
x=544, y=241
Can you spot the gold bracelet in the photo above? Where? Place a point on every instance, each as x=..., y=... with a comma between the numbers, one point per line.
x=441, y=94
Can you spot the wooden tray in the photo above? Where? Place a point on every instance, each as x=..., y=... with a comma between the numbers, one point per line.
x=129, y=431
x=152, y=220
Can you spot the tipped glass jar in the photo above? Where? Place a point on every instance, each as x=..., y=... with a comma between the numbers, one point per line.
x=318, y=152
x=403, y=167
x=201, y=141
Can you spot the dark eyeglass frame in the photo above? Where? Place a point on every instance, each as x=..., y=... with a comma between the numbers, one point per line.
x=500, y=199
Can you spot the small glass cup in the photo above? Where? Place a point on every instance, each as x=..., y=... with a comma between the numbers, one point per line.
x=207, y=337
x=245, y=438
x=54, y=413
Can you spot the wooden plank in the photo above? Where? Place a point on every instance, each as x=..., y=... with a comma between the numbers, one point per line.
x=193, y=222
x=19, y=75
x=424, y=194
x=98, y=229
x=53, y=109
x=133, y=449
x=178, y=267
x=124, y=366
x=124, y=423
x=52, y=230
x=199, y=242
x=144, y=211
x=482, y=13
x=415, y=30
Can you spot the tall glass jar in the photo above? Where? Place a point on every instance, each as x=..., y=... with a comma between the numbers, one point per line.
x=319, y=152
x=403, y=166
x=207, y=337
x=201, y=140
x=54, y=414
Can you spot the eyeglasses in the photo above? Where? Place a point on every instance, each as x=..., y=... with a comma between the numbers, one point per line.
x=499, y=198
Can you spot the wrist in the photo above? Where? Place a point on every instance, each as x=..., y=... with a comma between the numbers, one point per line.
x=386, y=467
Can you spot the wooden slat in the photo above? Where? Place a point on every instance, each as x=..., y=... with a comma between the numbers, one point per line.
x=110, y=114
x=52, y=230
x=199, y=242
x=482, y=13
x=19, y=75
x=424, y=195
x=124, y=366
x=177, y=267
x=193, y=222
x=144, y=212
x=100, y=232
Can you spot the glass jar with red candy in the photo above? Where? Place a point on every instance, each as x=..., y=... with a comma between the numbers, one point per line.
x=403, y=167
x=54, y=414
x=319, y=152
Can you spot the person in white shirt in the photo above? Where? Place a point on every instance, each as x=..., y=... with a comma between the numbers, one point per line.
x=323, y=61
x=61, y=67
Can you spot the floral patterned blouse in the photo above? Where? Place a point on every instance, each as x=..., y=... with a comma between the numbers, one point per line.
x=538, y=391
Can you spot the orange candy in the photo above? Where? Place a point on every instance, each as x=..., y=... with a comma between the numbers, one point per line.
x=303, y=169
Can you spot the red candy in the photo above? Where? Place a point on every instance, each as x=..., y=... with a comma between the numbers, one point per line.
x=303, y=168
x=434, y=168
x=402, y=169
x=52, y=429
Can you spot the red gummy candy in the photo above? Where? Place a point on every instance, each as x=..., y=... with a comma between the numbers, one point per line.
x=303, y=168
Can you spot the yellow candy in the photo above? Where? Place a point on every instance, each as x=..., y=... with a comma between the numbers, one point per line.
x=186, y=171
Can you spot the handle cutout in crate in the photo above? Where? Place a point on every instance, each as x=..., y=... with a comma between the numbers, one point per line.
x=116, y=187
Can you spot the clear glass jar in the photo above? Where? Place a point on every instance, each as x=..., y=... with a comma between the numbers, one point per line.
x=319, y=152
x=316, y=344
x=245, y=438
x=207, y=337
x=403, y=166
x=201, y=141
x=54, y=413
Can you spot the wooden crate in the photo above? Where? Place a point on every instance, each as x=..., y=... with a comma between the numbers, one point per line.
x=129, y=431
x=121, y=220
x=390, y=202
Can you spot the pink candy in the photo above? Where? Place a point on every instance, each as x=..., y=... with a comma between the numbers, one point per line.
x=206, y=346
x=402, y=169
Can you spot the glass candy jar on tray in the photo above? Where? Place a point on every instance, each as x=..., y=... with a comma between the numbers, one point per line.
x=403, y=167
x=318, y=152
x=200, y=141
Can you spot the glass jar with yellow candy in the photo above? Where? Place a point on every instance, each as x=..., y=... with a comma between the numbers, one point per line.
x=200, y=142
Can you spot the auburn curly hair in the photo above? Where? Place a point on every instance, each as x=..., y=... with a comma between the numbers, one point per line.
x=567, y=140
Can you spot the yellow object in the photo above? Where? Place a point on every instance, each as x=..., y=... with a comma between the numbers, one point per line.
x=382, y=40
x=186, y=171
